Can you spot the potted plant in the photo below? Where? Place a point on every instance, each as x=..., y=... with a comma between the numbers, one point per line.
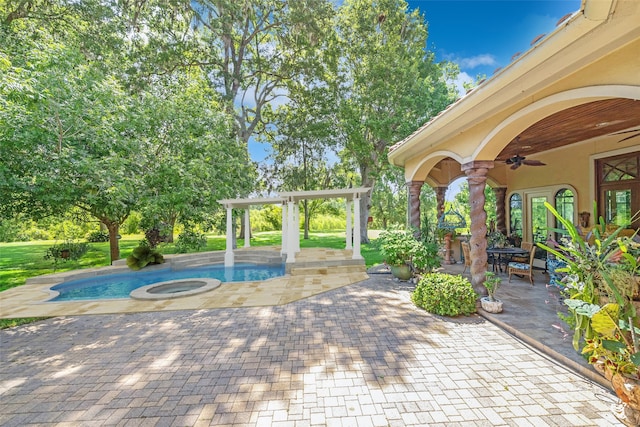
x=600, y=283
x=496, y=239
x=405, y=255
x=489, y=303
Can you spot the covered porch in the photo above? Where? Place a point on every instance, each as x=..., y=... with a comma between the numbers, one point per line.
x=560, y=124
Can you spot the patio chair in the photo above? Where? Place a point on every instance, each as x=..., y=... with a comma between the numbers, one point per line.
x=466, y=252
x=521, y=268
x=527, y=247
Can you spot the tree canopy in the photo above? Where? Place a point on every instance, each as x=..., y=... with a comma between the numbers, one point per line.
x=111, y=107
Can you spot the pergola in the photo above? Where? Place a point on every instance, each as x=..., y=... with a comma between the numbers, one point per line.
x=291, y=218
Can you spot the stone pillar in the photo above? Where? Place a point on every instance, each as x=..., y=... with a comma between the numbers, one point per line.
x=440, y=193
x=477, y=177
x=501, y=214
x=414, y=204
x=228, y=255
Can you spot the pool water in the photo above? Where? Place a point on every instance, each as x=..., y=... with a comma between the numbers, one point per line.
x=120, y=285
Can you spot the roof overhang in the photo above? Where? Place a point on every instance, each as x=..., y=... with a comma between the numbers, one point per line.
x=586, y=37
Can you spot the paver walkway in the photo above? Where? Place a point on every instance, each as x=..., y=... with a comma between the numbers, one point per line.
x=360, y=355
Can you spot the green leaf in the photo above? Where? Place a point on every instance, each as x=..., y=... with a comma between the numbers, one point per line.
x=635, y=358
x=615, y=346
x=605, y=321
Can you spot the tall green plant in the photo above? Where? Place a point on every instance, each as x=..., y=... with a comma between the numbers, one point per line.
x=600, y=284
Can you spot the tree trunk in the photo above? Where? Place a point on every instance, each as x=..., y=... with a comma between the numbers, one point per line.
x=365, y=203
x=172, y=226
x=306, y=220
x=114, y=242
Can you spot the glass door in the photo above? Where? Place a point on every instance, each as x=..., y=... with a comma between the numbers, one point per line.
x=539, y=219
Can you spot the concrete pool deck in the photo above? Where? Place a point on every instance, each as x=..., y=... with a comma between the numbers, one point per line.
x=308, y=276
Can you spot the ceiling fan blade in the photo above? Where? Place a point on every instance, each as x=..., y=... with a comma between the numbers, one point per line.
x=625, y=131
x=630, y=137
x=533, y=163
x=515, y=165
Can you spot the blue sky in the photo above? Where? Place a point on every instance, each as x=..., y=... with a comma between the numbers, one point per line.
x=481, y=35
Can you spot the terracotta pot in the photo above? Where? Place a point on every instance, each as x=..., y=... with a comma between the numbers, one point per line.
x=401, y=272
x=491, y=306
x=628, y=390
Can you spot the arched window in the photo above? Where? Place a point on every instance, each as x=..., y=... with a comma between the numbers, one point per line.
x=564, y=205
x=515, y=214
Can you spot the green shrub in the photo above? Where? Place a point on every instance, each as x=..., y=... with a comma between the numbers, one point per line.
x=131, y=224
x=67, y=251
x=191, y=241
x=97, y=236
x=445, y=295
x=144, y=255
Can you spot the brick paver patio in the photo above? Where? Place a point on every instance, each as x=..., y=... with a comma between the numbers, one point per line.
x=360, y=355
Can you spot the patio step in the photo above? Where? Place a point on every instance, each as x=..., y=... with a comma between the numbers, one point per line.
x=324, y=270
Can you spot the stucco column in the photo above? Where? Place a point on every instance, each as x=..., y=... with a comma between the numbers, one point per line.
x=414, y=205
x=477, y=177
x=356, y=226
x=228, y=255
x=350, y=239
x=285, y=230
x=501, y=214
x=440, y=193
x=291, y=233
x=247, y=228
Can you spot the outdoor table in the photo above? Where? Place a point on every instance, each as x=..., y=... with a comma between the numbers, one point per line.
x=507, y=252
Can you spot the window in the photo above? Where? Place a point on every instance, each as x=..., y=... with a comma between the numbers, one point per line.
x=564, y=205
x=619, y=188
x=515, y=214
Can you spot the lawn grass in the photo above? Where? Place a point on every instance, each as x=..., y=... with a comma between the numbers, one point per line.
x=22, y=260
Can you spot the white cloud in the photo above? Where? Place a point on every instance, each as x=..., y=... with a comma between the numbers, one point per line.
x=477, y=61
x=460, y=80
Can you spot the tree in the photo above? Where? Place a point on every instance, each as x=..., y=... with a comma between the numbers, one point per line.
x=64, y=134
x=254, y=47
x=302, y=140
x=195, y=160
x=389, y=84
x=79, y=128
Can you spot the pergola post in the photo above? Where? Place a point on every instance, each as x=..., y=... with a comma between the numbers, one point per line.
x=285, y=229
x=476, y=172
x=291, y=233
x=228, y=255
x=349, y=244
x=247, y=228
x=297, y=228
x=356, y=226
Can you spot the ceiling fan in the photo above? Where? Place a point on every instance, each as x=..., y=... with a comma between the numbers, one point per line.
x=637, y=130
x=518, y=160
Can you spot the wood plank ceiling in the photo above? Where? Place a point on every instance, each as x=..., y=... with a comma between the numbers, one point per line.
x=576, y=124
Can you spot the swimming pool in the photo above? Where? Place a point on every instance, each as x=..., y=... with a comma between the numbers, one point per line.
x=119, y=285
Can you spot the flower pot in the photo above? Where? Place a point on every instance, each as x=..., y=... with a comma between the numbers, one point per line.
x=491, y=306
x=401, y=272
x=628, y=390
